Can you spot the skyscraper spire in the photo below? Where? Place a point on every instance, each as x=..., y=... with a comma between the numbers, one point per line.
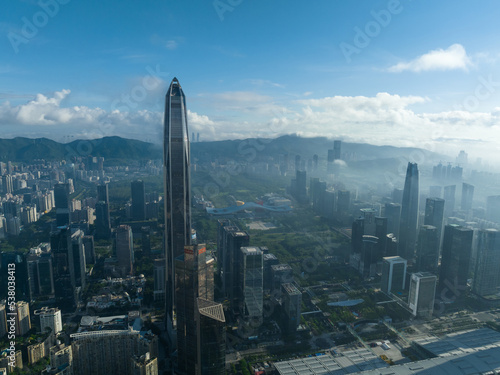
x=176, y=172
x=409, y=214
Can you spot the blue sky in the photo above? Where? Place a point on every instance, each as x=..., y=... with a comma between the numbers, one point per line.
x=408, y=73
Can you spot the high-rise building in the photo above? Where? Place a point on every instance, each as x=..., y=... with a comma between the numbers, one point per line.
x=369, y=256
x=103, y=193
x=343, y=201
x=62, y=203
x=467, y=196
x=393, y=213
x=194, y=275
x=176, y=173
x=434, y=214
x=409, y=214
x=231, y=240
x=393, y=274
x=493, y=208
x=79, y=263
x=159, y=280
x=63, y=268
x=291, y=304
x=102, y=221
x=40, y=273
x=138, y=200
x=251, y=283
x=449, y=199
x=50, y=318
x=23, y=284
x=125, y=249
x=455, y=260
x=88, y=245
x=211, y=325
x=421, y=294
x=7, y=184
x=486, y=276
x=23, y=321
x=144, y=365
x=428, y=249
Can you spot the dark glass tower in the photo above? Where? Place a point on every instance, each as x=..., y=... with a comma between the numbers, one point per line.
x=455, y=260
x=434, y=214
x=409, y=214
x=138, y=200
x=62, y=202
x=176, y=164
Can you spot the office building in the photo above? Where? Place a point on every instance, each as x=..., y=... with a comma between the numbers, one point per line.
x=343, y=202
x=230, y=240
x=125, y=249
x=281, y=274
x=486, y=280
x=176, y=173
x=194, y=275
x=268, y=260
x=467, y=196
x=428, y=249
x=7, y=184
x=392, y=211
x=159, y=280
x=63, y=268
x=449, y=200
x=50, y=319
x=102, y=221
x=138, y=200
x=88, y=245
x=434, y=214
x=62, y=203
x=79, y=263
x=211, y=345
x=455, y=260
x=251, y=283
x=103, y=193
x=41, y=276
x=493, y=208
x=393, y=274
x=421, y=294
x=291, y=305
x=409, y=214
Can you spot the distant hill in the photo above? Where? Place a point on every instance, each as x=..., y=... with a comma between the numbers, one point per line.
x=116, y=148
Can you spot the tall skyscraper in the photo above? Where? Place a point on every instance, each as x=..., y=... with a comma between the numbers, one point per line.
x=251, y=283
x=393, y=213
x=63, y=268
x=62, y=202
x=449, y=200
x=493, y=208
x=486, y=276
x=138, y=200
x=467, y=196
x=434, y=214
x=428, y=249
x=455, y=260
x=177, y=185
x=196, y=312
x=125, y=249
x=409, y=214
x=103, y=193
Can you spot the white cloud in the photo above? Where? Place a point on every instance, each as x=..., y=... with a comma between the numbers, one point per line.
x=383, y=119
x=454, y=57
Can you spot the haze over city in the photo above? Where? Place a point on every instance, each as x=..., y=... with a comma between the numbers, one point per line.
x=402, y=73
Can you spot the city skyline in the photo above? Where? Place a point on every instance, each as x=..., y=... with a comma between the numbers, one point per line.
x=376, y=72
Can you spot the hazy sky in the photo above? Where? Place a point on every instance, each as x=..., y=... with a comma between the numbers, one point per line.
x=405, y=73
